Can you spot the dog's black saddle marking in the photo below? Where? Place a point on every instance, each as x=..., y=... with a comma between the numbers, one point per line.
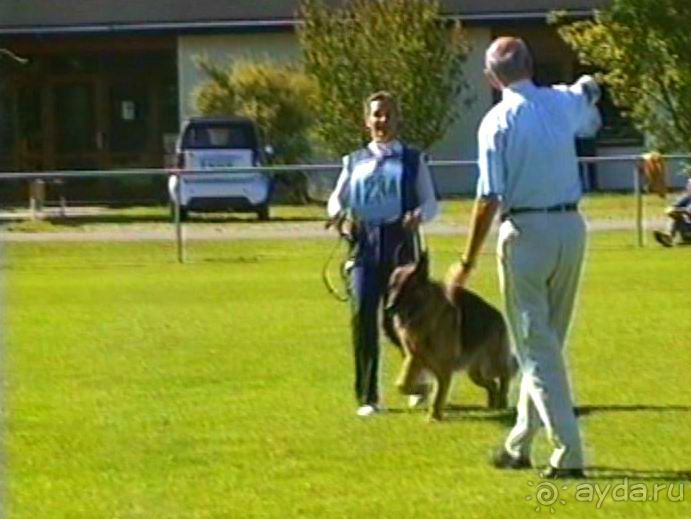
x=478, y=316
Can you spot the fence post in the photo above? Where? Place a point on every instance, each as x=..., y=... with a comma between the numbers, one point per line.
x=178, y=219
x=639, y=204
x=37, y=197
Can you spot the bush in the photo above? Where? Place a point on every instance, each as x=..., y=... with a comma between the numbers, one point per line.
x=280, y=98
x=642, y=47
x=403, y=46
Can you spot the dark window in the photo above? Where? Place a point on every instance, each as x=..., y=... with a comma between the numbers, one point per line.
x=616, y=129
x=129, y=116
x=547, y=74
x=169, y=105
x=6, y=121
x=219, y=136
x=30, y=126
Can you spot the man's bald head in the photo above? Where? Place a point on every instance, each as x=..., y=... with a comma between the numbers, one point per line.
x=508, y=59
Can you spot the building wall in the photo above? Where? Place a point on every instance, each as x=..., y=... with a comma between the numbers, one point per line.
x=460, y=143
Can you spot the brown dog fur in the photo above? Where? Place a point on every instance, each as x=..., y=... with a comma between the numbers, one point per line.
x=443, y=336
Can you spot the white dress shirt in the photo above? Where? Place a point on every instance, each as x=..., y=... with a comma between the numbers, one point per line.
x=527, y=153
x=338, y=201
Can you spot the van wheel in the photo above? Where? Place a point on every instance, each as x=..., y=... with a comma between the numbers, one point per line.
x=263, y=212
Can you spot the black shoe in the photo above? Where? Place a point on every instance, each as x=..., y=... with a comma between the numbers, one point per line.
x=555, y=473
x=663, y=239
x=503, y=460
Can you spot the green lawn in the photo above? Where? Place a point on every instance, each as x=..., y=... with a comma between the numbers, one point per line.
x=139, y=388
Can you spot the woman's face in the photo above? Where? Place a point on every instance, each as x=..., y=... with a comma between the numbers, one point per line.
x=382, y=121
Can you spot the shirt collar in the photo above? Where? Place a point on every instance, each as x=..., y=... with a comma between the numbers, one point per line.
x=385, y=149
x=520, y=87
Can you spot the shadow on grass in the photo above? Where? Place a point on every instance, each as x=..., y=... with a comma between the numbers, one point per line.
x=586, y=410
x=78, y=221
x=253, y=220
x=235, y=259
x=617, y=473
x=457, y=413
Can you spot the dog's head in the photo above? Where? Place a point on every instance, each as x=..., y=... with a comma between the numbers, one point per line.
x=404, y=294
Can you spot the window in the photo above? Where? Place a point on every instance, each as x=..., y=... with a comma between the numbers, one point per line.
x=616, y=129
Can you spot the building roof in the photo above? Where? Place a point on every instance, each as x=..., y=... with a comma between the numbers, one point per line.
x=93, y=16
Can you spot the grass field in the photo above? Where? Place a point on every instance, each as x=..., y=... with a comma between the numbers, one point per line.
x=139, y=388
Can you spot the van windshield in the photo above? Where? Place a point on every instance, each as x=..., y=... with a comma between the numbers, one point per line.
x=219, y=136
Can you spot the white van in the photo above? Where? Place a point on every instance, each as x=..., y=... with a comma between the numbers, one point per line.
x=207, y=145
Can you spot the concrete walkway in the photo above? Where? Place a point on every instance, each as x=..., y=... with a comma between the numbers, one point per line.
x=252, y=230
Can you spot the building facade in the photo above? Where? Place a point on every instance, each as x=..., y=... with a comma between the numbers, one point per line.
x=107, y=87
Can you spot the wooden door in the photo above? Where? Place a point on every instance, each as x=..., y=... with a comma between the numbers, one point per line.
x=75, y=120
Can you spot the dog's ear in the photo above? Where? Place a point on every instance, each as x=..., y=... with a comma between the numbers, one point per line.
x=422, y=267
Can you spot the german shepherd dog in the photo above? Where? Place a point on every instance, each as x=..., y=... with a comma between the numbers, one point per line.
x=444, y=336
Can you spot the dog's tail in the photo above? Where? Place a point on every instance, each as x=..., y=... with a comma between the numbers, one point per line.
x=390, y=331
x=512, y=365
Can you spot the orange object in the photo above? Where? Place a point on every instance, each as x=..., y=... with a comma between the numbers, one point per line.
x=653, y=169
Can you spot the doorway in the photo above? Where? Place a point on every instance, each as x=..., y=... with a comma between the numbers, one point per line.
x=75, y=124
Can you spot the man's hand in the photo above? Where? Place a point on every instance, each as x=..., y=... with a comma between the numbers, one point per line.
x=412, y=219
x=333, y=222
x=344, y=226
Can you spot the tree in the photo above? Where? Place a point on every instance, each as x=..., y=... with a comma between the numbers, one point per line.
x=642, y=47
x=403, y=46
x=279, y=98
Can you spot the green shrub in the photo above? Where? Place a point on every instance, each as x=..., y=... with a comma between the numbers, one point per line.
x=642, y=47
x=403, y=46
x=278, y=97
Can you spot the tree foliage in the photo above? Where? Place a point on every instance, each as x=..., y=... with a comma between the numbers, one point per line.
x=278, y=97
x=642, y=47
x=403, y=46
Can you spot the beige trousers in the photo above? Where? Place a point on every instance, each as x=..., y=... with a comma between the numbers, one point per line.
x=540, y=258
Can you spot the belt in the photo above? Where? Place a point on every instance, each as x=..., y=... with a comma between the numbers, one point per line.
x=559, y=208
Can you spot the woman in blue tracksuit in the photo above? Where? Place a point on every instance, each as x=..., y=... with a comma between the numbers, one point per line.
x=387, y=190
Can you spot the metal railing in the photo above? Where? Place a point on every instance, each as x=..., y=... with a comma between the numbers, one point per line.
x=305, y=168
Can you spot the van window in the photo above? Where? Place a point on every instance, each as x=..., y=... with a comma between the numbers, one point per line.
x=219, y=136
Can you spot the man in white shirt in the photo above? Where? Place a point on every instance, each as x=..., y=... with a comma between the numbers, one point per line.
x=386, y=189
x=528, y=171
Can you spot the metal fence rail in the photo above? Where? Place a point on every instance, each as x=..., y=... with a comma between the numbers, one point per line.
x=287, y=168
x=303, y=168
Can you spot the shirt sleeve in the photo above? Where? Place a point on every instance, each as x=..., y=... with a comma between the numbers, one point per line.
x=491, y=165
x=582, y=98
x=429, y=207
x=339, y=196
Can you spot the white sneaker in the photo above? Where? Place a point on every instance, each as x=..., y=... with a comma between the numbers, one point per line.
x=367, y=410
x=417, y=401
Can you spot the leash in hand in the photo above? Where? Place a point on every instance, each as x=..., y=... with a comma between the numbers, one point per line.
x=346, y=230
